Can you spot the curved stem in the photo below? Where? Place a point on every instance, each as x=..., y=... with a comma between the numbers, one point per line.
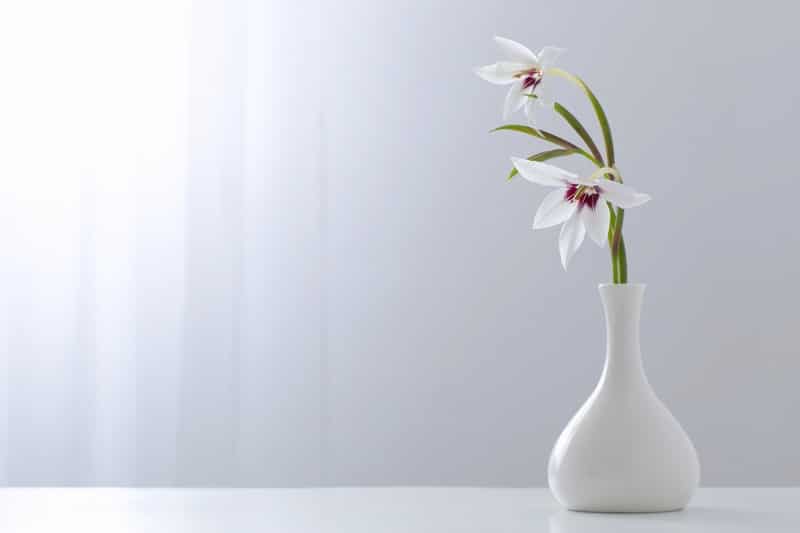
x=598, y=110
x=619, y=260
x=614, y=268
x=606, y=171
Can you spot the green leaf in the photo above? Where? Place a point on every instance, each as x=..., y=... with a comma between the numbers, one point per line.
x=598, y=110
x=549, y=137
x=579, y=129
x=543, y=156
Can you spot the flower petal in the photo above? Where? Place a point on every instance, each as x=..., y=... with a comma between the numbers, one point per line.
x=570, y=239
x=579, y=180
x=553, y=210
x=514, y=100
x=530, y=110
x=549, y=55
x=543, y=97
x=597, y=221
x=515, y=51
x=498, y=73
x=542, y=173
x=621, y=195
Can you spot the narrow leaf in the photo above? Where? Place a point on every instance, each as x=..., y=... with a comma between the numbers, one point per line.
x=549, y=137
x=579, y=129
x=598, y=110
x=544, y=156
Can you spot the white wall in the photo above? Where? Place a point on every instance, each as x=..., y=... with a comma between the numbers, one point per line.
x=457, y=348
x=298, y=261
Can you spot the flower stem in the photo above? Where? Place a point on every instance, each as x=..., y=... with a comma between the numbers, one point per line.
x=622, y=259
x=619, y=258
x=614, y=268
x=612, y=223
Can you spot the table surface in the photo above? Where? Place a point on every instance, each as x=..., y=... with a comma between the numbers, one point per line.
x=376, y=510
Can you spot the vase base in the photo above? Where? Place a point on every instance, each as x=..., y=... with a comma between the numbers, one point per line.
x=607, y=500
x=625, y=510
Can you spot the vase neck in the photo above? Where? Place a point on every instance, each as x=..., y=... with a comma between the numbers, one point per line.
x=622, y=305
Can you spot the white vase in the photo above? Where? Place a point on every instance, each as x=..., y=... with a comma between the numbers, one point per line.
x=623, y=451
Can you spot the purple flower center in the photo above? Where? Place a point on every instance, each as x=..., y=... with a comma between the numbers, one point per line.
x=531, y=79
x=583, y=195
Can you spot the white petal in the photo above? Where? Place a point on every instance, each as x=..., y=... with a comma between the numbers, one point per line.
x=515, y=51
x=579, y=180
x=622, y=195
x=514, y=100
x=543, y=94
x=513, y=67
x=597, y=221
x=497, y=73
x=570, y=239
x=542, y=173
x=530, y=110
x=554, y=210
x=549, y=55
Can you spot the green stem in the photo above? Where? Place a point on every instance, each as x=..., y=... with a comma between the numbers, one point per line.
x=622, y=258
x=614, y=265
x=619, y=260
x=614, y=269
x=618, y=256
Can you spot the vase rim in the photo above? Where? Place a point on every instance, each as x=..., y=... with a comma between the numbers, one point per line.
x=621, y=285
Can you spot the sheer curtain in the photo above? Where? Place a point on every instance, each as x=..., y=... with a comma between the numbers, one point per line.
x=163, y=243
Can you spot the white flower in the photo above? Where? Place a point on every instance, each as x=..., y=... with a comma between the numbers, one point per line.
x=525, y=71
x=578, y=203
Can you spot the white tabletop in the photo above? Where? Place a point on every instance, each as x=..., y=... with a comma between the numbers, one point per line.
x=376, y=510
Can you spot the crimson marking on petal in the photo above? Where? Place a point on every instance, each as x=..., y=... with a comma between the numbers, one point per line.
x=531, y=83
x=590, y=200
x=583, y=195
x=531, y=78
x=570, y=193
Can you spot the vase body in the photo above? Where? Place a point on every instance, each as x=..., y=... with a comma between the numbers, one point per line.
x=623, y=451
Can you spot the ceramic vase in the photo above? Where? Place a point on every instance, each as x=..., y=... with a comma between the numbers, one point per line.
x=623, y=451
